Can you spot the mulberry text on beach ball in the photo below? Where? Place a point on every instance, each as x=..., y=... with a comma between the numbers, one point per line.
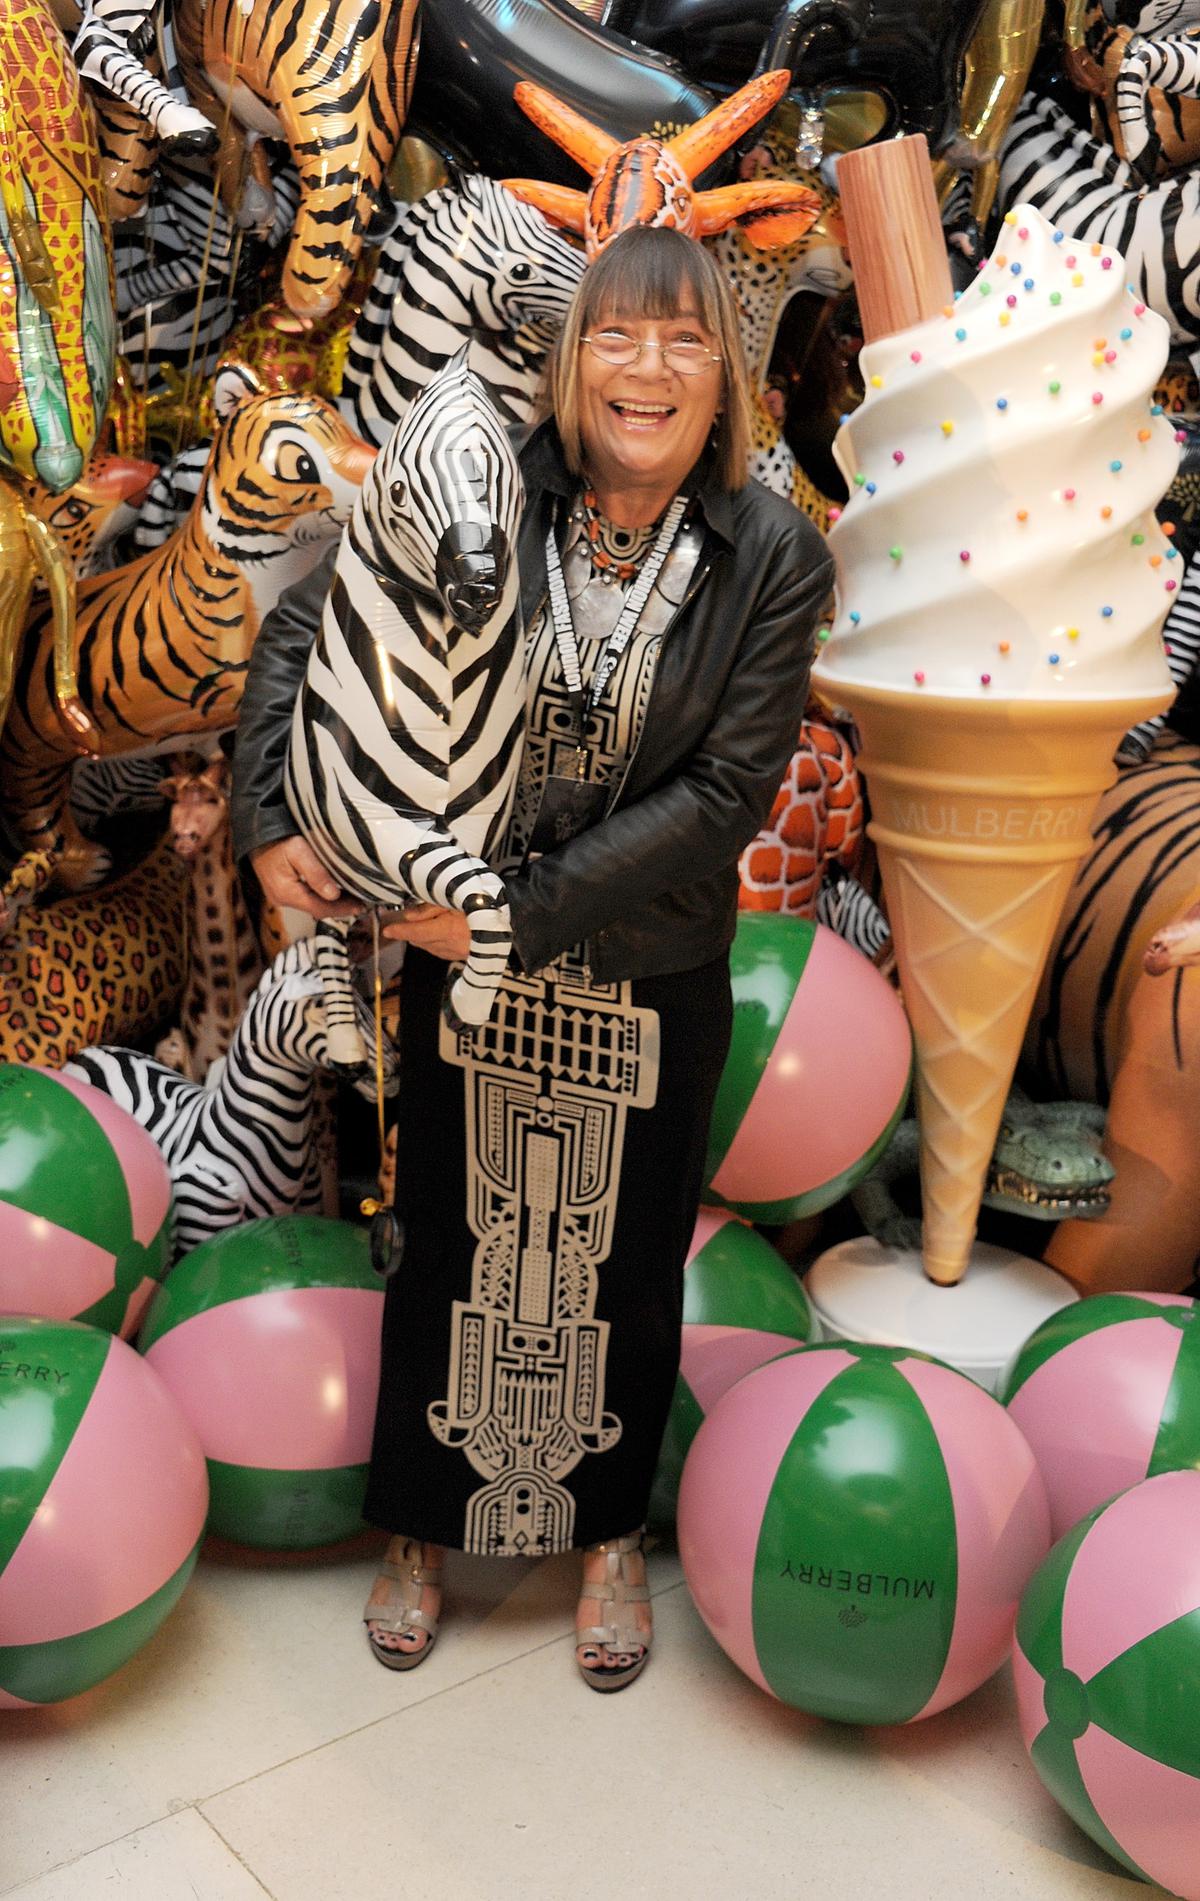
x=857, y=1524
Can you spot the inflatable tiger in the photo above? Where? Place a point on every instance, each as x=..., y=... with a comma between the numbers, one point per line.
x=163, y=642
x=1105, y=1031
x=335, y=84
x=95, y=509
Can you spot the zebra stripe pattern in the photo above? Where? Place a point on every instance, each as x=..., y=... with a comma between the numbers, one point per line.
x=103, y=56
x=170, y=497
x=468, y=265
x=1082, y=187
x=1173, y=65
x=243, y=1147
x=158, y=261
x=101, y=789
x=407, y=735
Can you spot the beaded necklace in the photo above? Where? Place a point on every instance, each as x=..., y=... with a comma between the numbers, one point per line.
x=617, y=553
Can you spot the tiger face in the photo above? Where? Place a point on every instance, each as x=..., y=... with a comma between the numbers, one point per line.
x=95, y=510
x=283, y=475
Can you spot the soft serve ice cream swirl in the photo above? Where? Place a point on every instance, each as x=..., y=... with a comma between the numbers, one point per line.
x=1000, y=538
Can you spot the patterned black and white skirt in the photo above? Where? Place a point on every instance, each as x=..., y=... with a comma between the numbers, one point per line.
x=550, y=1166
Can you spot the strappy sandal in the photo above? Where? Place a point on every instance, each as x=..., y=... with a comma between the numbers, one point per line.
x=402, y=1612
x=616, y=1590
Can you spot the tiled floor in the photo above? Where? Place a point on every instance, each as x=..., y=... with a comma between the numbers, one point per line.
x=254, y=1748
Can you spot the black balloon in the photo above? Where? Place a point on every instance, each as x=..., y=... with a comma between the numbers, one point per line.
x=473, y=52
x=910, y=55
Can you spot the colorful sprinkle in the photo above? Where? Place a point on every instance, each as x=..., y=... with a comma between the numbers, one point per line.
x=947, y=428
x=1100, y=343
x=1071, y=261
x=1072, y=633
x=985, y=679
x=1005, y=646
x=1058, y=237
x=870, y=488
x=1077, y=279
x=1172, y=554
x=964, y=554
x=1156, y=409
x=1106, y=613
x=898, y=456
x=1011, y=301
x=1110, y=356
x=985, y=290
x=961, y=335
x=1029, y=283
x=1137, y=540
x=877, y=382
x=1170, y=586
x=1053, y=659
x=1097, y=359
x=1001, y=262
x=914, y=356
x=855, y=616
x=1005, y=316
x=1097, y=396
x=1023, y=231
x=1126, y=334
x=835, y=514
x=1115, y=467
x=1168, y=527
x=895, y=552
x=1010, y=217
x=859, y=480
x=1015, y=269
x=1002, y=402
x=1096, y=249
x=1056, y=296
x=1139, y=310
x=1022, y=514
x=1068, y=495
x=919, y=677
x=1143, y=435
x=1105, y=512
x=948, y=309
x=1156, y=561
x=823, y=633
x=1181, y=435
x=1055, y=387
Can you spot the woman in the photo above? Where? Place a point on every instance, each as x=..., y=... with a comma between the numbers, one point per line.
x=551, y=1163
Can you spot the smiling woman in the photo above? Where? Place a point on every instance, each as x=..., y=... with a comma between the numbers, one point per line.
x=550, y=1162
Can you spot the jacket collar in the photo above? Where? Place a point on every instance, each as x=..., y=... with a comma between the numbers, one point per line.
x=544, y=470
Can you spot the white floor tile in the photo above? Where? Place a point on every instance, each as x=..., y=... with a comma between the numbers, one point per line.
x=263, y=1660
x=521, y=1783
x=181, y=1859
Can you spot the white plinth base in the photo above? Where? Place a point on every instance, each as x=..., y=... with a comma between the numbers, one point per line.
x=861, y=1290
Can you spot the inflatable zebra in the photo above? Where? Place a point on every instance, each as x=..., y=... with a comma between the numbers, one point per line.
x=407, y=734
x=466, y=265
x=244, y=1147
x=1172, y=64
x=1081, y=186
x=103, y=50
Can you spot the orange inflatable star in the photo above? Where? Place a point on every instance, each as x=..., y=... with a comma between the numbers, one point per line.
x=649, y=181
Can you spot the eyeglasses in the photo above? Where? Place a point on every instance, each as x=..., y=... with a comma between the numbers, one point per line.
x=685, y=358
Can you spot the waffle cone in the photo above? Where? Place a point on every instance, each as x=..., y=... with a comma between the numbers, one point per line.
x=980, y=814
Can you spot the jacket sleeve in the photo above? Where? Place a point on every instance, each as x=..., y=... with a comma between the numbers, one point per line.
x=258, y=811
x=698, y=822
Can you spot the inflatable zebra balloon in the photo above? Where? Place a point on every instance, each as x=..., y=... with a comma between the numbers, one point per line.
x=407, y=735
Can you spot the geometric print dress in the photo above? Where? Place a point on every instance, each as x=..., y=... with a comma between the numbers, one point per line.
x=549, y=1171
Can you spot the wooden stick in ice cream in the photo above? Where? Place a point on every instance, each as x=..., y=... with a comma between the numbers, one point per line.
x=897, y=245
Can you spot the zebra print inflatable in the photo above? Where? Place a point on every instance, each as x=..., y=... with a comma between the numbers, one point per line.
x=103, y=52
x=1082, y=187
x=1172, y=64
x=407, y=734
x=466, y=265
x=158, y=271
x=243, y=1147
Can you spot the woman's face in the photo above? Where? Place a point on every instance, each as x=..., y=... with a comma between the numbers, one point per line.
x=643, y=424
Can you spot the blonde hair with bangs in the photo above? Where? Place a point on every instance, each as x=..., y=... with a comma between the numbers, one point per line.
x=649, y=271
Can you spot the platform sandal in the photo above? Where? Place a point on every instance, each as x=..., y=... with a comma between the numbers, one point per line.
x=402, y=1612
x=615, y=1590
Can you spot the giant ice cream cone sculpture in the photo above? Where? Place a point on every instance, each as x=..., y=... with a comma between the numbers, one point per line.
x=1002, y=584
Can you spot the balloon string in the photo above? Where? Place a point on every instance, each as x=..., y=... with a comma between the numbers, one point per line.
x=239, y=33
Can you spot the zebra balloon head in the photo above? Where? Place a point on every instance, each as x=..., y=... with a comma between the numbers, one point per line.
x=289, y=1019
x=523, y=272
x=441, y=507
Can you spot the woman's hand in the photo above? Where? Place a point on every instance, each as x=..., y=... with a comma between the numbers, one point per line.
x=290, y=873
x=441, y=933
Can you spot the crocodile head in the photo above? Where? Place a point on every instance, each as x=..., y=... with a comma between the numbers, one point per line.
x=1047, y=1163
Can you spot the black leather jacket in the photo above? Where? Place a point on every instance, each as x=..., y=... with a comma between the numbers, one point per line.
x=653, y=887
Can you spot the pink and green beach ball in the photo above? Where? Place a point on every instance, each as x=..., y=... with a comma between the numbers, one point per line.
x=857, y=1524
x=85, y=1203
x=742, y=1305
x=1107, y=1666
x=102, y=1501
x=817, y=1074
x=268, y=1338
x=1107, y=1392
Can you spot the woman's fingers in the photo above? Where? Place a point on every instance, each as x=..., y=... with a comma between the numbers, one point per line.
x=290, y=873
